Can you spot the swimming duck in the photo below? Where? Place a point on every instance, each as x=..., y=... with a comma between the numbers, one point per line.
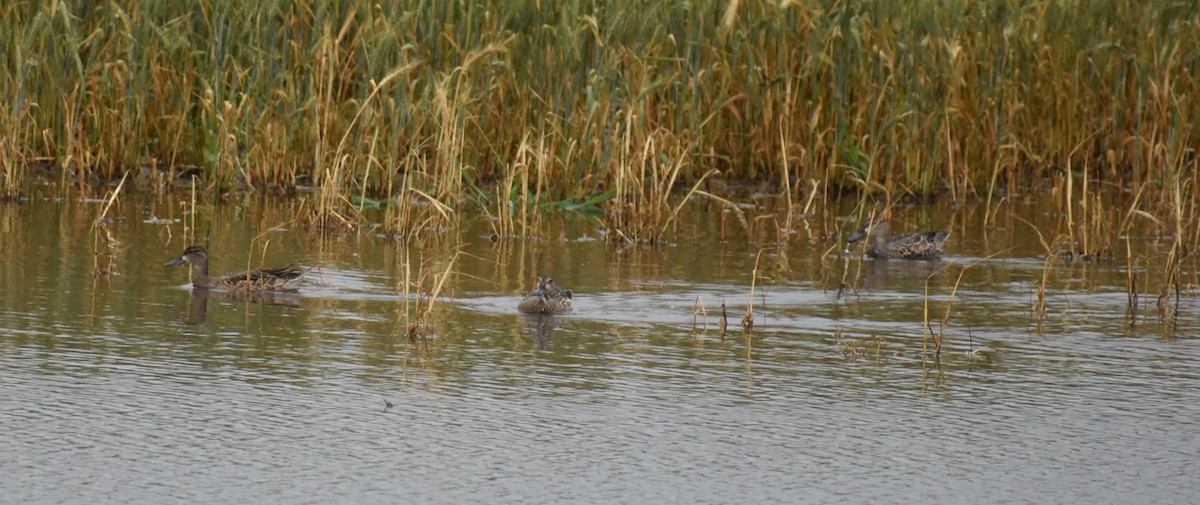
x=546, y=298
x=263, y=279
x=910, y=246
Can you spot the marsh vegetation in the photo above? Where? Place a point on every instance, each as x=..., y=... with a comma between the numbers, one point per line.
x=472, y=104
x=624, y=111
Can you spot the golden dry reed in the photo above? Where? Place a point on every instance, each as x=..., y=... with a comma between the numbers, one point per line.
x=434, y=105
x=420, y=291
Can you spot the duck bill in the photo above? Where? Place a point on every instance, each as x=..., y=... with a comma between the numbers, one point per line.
x=176, y=261
x=857, y=236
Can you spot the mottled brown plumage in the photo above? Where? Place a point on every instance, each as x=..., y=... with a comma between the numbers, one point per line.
x=910, y=246
x=546, y=298
x=263, y=279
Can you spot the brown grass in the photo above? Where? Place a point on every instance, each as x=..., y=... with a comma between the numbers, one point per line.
x=534, y=104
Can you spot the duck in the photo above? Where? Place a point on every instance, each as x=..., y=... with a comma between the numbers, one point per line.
x=283, y=279
x=546, y=298
x=910, y=246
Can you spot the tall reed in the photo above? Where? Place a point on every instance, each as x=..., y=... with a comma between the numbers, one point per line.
x=921, y=98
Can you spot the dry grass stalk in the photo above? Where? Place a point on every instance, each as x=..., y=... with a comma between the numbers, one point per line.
x=748, y=319
x=420, y=292
x=724, y=320
x=698, y=310
x=1052, y=252
x=108, y=203
x=938, y=337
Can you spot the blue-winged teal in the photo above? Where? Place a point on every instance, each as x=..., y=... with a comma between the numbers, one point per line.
x=546, y=298
x=263, y=279
x=910, y=246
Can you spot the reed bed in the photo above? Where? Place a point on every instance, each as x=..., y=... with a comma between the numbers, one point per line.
x=435, y=103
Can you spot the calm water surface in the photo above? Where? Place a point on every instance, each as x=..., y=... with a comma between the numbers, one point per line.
x=119, y=384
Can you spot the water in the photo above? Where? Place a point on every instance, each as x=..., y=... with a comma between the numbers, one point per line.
x=128, y=387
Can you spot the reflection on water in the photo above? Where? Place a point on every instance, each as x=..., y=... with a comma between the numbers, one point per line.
x=874, y=275
x=198, y=309
x=119, y=385
x=541, y=328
